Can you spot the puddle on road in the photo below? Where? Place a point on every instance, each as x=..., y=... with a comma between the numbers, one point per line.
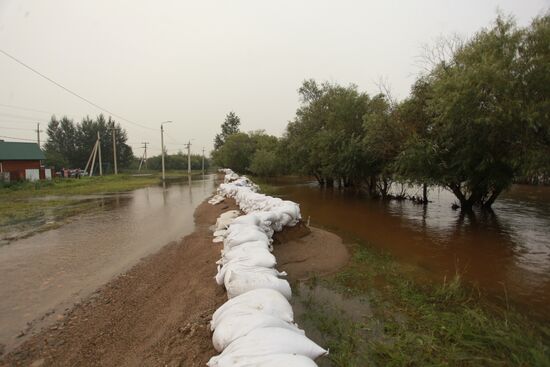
x=51, y=270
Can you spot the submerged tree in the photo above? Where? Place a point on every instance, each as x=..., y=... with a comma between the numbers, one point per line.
x=476, y=111
x=324, y=137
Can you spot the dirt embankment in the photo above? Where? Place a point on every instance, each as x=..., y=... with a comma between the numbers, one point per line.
x=157, y=313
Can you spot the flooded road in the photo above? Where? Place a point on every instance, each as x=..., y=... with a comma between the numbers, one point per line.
x=506, y=254
x=46, y=273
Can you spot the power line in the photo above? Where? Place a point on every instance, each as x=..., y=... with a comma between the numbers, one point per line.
x=174, y=142
x=11, y=137
x=71, y=92
x=25, y=108
x=8, y=115
x=15, y=128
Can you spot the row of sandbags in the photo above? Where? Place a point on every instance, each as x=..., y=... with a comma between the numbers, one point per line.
x=255, y=327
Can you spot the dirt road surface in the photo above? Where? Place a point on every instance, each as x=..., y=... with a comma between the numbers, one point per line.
x=157, y=313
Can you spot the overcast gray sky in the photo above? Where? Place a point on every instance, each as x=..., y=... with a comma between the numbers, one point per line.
x=192, y=62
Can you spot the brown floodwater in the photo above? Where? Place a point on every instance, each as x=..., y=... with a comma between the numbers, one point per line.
x=506, y=254
x=42, y=275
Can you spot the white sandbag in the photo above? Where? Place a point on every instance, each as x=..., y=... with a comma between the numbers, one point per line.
x=242, y=267
x=261, y=258
x=236, y=228
x=267, y=301
x=272, y=360
x=218, y=239
x=216, y=199
x=251, y=219
x=257, y=252
x=255, y=257
x=220, y=232
x=268, y=341
x=225, y=219
x=223, y=223
x=240, y=324
x=247, y=235
x=237, y=283
x=230, y=214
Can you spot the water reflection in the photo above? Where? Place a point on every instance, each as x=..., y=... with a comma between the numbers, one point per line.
x=53, y=269
x=507, y=249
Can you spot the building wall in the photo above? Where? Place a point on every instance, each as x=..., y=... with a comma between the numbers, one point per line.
x=17, y=168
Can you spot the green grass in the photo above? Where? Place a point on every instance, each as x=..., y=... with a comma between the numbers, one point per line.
x=23, y=212
x=265, y=187
x=415, y=324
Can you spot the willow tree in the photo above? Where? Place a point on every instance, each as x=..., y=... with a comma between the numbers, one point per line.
x=325, y=136
x=475, y=105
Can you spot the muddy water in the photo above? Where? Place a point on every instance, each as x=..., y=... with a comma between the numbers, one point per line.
x=506, y=254
x=46, y=273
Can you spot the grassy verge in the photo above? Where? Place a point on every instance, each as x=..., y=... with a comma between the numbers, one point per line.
x=28, y=207
x=411, y=324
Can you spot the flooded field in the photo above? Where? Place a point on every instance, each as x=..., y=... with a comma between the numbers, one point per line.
x=47, y=272
x=506, y=254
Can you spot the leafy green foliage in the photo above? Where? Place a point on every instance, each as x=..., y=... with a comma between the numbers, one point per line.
x=69, y=144
x=229, y=127
x=254, y=152
x=473, y=124
x=177, y=161
x=480, y=119
x=324, y=137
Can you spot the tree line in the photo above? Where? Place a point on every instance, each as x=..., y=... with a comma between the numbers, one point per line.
x=176, y=161
x=69, y=144
x=476, y=120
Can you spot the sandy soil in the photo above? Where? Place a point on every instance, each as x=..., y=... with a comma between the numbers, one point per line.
x=309, y=252
x=157, y=313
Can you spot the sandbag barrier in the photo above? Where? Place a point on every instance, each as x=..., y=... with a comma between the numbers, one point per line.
x=255, y=327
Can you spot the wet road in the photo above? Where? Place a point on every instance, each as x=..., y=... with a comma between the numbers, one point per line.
x=52, y=270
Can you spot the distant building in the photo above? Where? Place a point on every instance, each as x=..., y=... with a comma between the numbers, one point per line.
x=22, y=161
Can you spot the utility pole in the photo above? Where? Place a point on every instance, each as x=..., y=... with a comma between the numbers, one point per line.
x=162, y=146
x=144, y=156
x=113, y=134
x=99, y=152
x=189, y=158
x=38, y=133
x=145, y=153
x=203, y=161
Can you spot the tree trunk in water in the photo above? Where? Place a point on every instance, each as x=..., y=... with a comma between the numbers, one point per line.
x=320, y=180
x=424, y=193
x=489, y=202
x=465, y=203
x=372, y=186
x=329, y=182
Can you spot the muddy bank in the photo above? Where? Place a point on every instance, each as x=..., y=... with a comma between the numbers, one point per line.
x=307, y=252
x=158, y=312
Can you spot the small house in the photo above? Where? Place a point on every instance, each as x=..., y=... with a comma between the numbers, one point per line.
x=22, y=161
